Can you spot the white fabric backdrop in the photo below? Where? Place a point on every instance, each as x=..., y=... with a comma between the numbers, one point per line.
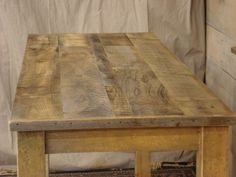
x=179, y=24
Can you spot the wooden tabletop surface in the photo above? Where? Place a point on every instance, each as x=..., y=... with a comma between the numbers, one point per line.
x=90, y=81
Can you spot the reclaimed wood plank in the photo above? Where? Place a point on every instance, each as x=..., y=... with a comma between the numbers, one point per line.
x=135, y=80
x=31, y=160
x=116, y=140
x=82, y=91
x=202, y=107
x=218, y=12
x=118, y=100
x=146, y=94
x=123, y=122
x=219, y=51
x=38, y=91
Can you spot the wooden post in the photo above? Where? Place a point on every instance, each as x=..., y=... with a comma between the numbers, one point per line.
x=142, y=164
x=213, y=155
x=31, y=154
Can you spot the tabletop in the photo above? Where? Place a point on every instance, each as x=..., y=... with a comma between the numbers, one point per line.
x=109, y=80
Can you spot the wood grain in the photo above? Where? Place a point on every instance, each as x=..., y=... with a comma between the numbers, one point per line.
x=126, y=140
x=219, y=50
x=38, y=91
x=217, y=12
x=31, y=159
x=82, y=91
x=138, y=87
x=116, y=80
x=142, y=164
x=213, y=157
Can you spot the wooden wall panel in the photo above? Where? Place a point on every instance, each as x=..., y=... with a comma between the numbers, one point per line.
x=221, y=15
x=219, y=50
x=221, y=64
x=221, y=84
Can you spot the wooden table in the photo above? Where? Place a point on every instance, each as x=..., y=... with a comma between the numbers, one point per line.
x=114, y=92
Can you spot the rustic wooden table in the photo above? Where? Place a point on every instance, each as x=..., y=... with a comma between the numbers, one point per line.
x=114, y=92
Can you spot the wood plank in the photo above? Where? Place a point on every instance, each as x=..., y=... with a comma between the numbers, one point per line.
x=157, y=55
x=118, y=100
x=82, y=91
x=31, y=154
x=146, y=94
x=73, y=40
x=214, y=152
x=41, y=108
x=37, y=95
x=39, y=72
x=216, y=79
x=123, y=122
x=140, y=89
x=184, y=86
x=129, y=140
x=195, y=99
x=114, y=39
x=142, y=164
x=203, y=107
x=219, y=50
x=221, y=16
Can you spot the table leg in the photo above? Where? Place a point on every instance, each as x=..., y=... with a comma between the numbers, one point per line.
x=142, y=164
x=31, y=159
x=213, y=154
x=47, y=165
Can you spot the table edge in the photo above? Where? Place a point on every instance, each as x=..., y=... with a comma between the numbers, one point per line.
x=122, y=122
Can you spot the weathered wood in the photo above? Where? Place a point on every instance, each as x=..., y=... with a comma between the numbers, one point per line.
x=219, y=51
x=221, y=16
x=84, y=81
x=31, y=159
x=38, y=89
x=216, y=81
x=124, y=122
x=114, y=92
x=213, y=155
x=115, y=39
x=129, y=140
x=82, y=91
x=142, y=164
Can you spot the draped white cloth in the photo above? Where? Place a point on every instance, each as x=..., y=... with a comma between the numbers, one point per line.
x=178, y=23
